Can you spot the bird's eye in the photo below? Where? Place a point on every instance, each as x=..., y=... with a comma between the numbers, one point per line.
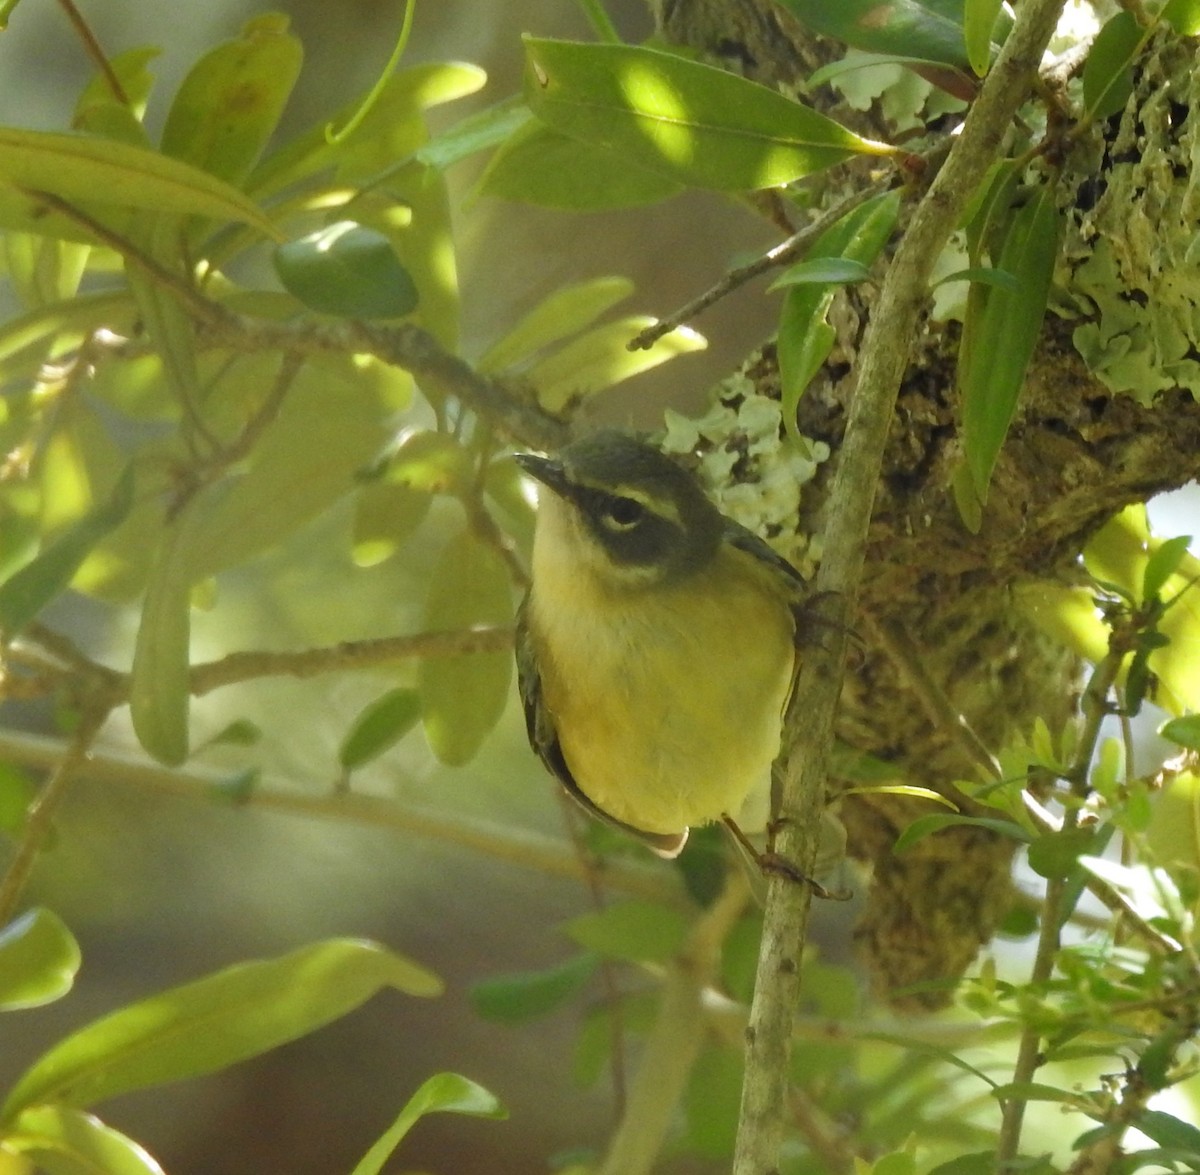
x=623, y=513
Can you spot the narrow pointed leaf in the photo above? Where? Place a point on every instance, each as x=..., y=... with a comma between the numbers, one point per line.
x=380, y=726
x=215, y=1022
x=805, y=337
x=601, y=358
x=1004, y=333
x=1108, y=71
x=29, y=589
x=38, y=960
x=979, y=18
x=100, y=171
x=695, y=123
x=442, y=1093
x=556, y=317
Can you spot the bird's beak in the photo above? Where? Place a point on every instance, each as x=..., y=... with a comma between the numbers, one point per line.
x=546, y=470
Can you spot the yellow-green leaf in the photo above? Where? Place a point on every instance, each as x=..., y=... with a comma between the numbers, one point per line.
x=601, y=358
x=462, y=697
x=694, y=123
x=215, y=1022
x=558, y=316
x=38, y=960
x=63, y=1141
x=101, y=171
x=230, y=102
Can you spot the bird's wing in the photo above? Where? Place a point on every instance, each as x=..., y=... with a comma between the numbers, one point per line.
x=543, y=738
x=736, y=535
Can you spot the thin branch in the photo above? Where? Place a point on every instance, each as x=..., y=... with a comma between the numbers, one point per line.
x=348, y=655
x=782, y=254
x=883, y=359
x=528, y=850
x=1029, y=1052
x=94, y=50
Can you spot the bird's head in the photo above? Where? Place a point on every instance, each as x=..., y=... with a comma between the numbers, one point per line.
x=624, y=510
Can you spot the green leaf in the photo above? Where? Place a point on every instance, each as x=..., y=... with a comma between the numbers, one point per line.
x=1056, y=854
x=215, y=1022
x=543, y=167
x=230, y=102
x=159, y=687
x=838, y=271
x=1162, y=564
x=1185, y=731
x=695, y=123
x=805, y=337
x=385, y=517
x=637, y=930
x=463, y=697
x=16, y=793
x=927, y=31
x=1183, y=16
x=379, y=726
x=392, y=129
x=63, y=1141
x=979, y=19
x=600, y=358
x=91, y=171
x=563, y=313
x=347, y=270
x=38, y=960
x=442, y=1093
x=1167, y=1130
x=516, y=998
x=711, y=1101
x=331, y=424
x=998, y=339
x=1108, y=72
x=477, y=132
x=29, y=589
x=923, y=826
x=982, y=275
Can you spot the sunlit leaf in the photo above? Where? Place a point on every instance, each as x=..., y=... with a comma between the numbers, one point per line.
x=101, y=171
x=601, y=358
x=541, y=166
x=442, y=1093
x=65, y=1141
x=38, y=960
x=979, y=19
x=229, y=104
x=1162, y=564
x=385, y=516
x=477, y=132
x=822, y=271
x=1183, y=16
x=1185, y=731
x=561, y=314
x=694, y=123
x=215, y=1022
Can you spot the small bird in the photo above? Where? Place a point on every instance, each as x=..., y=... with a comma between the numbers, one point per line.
x=656, y=648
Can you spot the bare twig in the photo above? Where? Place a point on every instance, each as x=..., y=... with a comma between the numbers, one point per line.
x=348, y=655
x=883, y=359
x=93, y=49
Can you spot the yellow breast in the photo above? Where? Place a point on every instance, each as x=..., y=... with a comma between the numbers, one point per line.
x=667, y=700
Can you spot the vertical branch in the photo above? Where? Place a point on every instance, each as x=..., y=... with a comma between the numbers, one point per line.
x=883, y=359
